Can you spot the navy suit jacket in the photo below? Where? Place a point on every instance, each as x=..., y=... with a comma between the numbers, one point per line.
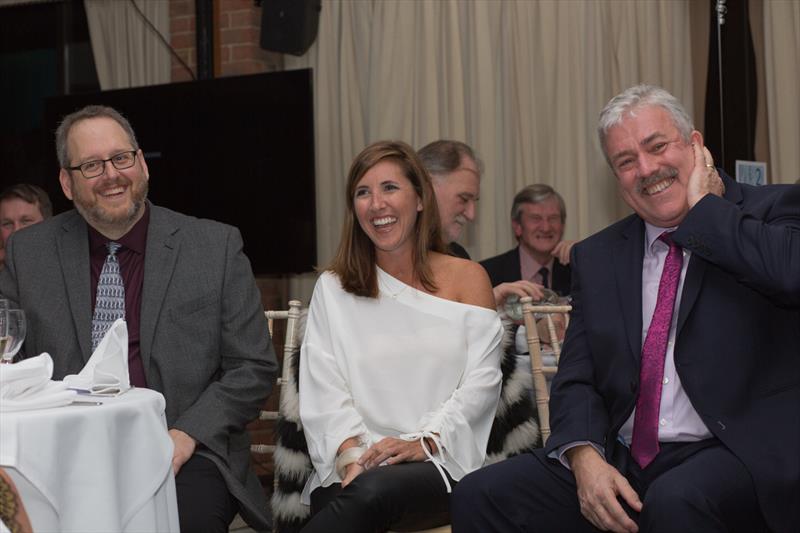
x=505, y=268
x=737, y=347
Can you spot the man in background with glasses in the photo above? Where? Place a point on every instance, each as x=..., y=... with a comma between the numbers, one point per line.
x=196, y=329
x=21, y=205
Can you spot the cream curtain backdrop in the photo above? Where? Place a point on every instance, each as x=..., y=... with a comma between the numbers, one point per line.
x=520, y=81
x=126, y=51
x=782, y=71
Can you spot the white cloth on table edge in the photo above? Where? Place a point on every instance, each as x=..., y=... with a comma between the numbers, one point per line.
x=27, y=385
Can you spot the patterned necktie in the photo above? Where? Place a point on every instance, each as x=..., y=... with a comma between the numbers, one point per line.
x=544, y=272
x=110, y=302
x=644, y=445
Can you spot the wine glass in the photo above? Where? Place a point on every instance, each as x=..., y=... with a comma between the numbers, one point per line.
x=513, y=306
x=15, y=334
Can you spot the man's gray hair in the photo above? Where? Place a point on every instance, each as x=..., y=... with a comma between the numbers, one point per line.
x=444, y=156
x=90, y=111
x=639, y=96
x=536, y=194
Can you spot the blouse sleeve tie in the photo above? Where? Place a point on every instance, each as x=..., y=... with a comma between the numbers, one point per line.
x=438, y=460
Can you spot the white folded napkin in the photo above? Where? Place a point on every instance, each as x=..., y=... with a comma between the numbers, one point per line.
x=106, y=372
x=27, y=385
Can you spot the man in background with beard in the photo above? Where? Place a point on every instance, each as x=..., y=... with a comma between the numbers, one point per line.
x=196, y=329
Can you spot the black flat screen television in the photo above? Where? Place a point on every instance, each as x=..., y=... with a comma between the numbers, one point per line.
x=239, y=150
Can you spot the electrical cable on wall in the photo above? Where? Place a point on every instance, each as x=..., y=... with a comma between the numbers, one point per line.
x=163, y=39
x=722, y=10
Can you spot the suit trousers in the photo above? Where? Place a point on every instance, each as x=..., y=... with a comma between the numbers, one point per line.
x=402, y=497
x=698, y=486
x=204, y=503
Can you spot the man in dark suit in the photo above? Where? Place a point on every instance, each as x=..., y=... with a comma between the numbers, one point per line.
x=196, y=329
x=538, y=215
x=675, y=407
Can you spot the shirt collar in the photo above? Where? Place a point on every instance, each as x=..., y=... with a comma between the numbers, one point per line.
x=652, y=233
x=527, y=259
x=135, y=240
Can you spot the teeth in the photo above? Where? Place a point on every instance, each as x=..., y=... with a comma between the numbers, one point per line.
x=659, y=186
x=383, y=221
x=111, y=192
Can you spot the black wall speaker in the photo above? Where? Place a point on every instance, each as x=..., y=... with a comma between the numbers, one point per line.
x=289, y=26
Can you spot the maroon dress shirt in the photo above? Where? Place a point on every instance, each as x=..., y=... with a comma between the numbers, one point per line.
x=131, y=266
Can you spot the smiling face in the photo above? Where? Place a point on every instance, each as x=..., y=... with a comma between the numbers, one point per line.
x=456, y=196
x=15, y=214
x=114, y=201
x=539, y=227
x=652, y=163
x=386, y=207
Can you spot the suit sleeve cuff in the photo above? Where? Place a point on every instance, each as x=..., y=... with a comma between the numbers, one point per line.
x=559, y=453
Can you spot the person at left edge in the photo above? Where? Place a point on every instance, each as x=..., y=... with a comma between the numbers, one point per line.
x=196, y=328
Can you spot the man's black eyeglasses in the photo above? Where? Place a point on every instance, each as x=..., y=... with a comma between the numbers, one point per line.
x=92, y=169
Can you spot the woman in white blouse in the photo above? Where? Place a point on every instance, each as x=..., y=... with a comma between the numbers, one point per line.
x=400, y=365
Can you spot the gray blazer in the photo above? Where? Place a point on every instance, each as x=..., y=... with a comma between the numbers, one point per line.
x=204, y=340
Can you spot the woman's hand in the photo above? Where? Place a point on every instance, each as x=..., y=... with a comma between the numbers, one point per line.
x=394, y=451
x=351, y=472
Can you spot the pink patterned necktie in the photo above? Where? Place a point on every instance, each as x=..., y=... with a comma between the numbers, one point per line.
x=644, y=445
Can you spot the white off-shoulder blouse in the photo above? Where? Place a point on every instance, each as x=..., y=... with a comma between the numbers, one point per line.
x=405, y=364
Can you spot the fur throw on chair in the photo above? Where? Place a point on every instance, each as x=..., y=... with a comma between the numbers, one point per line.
x=515, y=430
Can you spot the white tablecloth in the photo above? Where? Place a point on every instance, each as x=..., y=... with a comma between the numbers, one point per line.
x=93, y=468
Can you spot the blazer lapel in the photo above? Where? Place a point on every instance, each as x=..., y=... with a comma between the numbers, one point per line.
x=159, y=263
x=73, y=254
x=628, y=255
x=697, y=266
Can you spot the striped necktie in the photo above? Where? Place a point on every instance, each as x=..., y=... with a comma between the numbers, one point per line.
x=110, y=302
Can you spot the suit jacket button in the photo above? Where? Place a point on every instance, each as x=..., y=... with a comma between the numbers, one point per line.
x=633, y=386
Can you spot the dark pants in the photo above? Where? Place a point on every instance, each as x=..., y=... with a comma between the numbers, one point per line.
x=688, y=487
x=204, y=503
x=403, y=497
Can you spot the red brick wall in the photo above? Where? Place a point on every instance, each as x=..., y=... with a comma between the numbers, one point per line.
x=237, y=30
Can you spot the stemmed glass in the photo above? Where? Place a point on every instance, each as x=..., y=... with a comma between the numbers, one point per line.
x=15, y=334
x=513, y=306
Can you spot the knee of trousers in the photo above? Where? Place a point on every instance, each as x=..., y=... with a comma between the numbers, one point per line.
x=368, y=494
x=204, y=521
x=470, y=492
x=667, y=503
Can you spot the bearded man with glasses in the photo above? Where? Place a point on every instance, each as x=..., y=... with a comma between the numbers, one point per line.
x=196, y=328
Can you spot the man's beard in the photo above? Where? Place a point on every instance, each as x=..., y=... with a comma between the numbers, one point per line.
x=98, y=216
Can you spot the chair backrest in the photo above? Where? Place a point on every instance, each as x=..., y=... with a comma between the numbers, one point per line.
x=540, y=390
x=290, y=343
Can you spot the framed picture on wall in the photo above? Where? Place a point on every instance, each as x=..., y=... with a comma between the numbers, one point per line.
x=751, y=172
